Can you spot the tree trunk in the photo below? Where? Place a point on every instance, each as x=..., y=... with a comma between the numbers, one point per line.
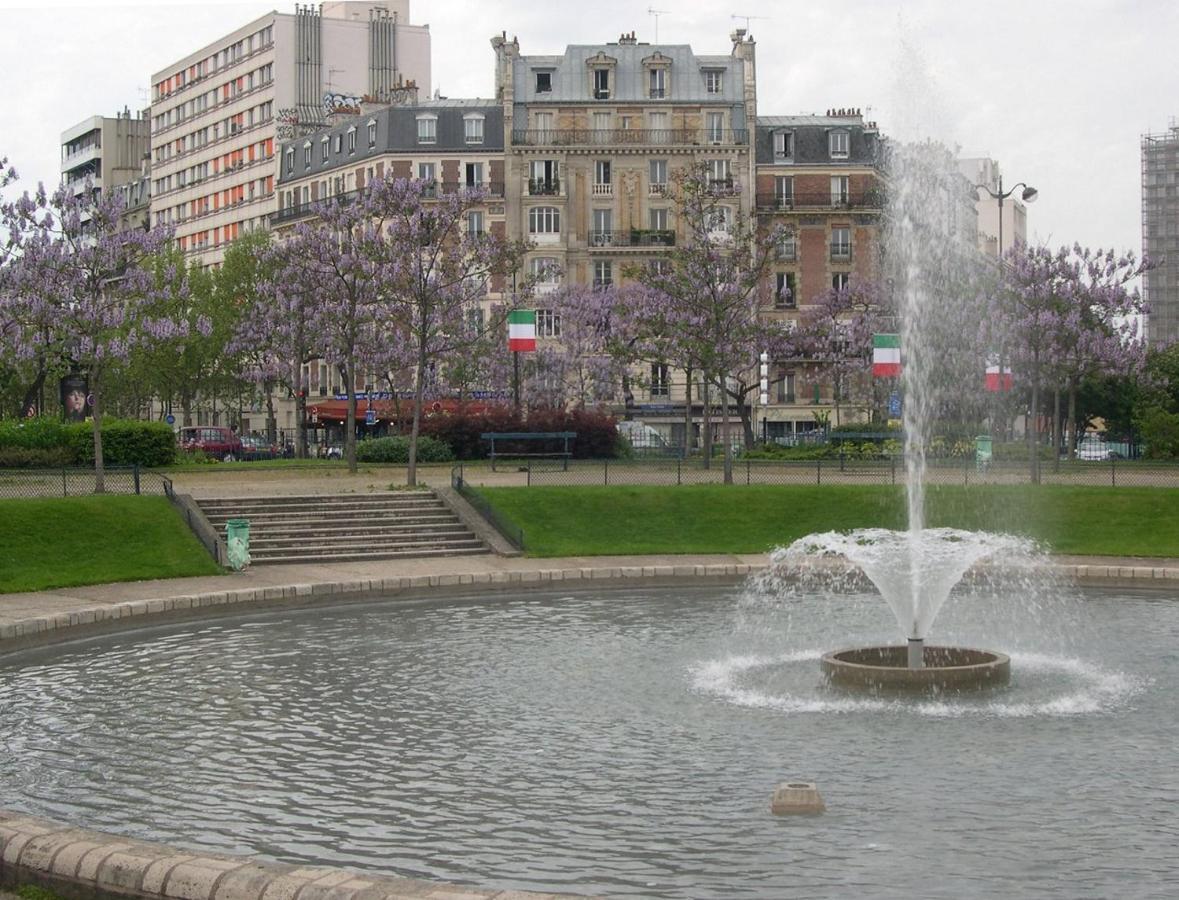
x=725, y=430
x=300, y=424
x=835, y=397
x=186, y=409
x=346, y=372
x=706, y=425
x=96, y=413
x=419, y=391
x=1033, y=429
x=271, y=418
x=33, y=396
x=1072, y=419
x=687, y=413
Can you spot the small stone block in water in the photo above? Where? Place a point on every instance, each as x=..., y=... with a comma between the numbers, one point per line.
x=793, y=798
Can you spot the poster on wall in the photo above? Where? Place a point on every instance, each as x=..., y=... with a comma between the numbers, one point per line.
x=75, y=390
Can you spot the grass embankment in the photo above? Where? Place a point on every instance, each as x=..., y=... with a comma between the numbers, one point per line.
x=69, y=541
x=602, y=521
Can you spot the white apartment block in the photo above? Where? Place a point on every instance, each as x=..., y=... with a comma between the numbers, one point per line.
x=985, y=171
x=217, y=113
x=108, y=151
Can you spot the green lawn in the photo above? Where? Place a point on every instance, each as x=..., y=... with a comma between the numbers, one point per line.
x=69, y=541
x=597, y=521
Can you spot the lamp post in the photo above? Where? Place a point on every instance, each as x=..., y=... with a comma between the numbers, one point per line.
x=1028, y=196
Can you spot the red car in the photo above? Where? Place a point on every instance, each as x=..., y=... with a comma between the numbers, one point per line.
x=212, y=440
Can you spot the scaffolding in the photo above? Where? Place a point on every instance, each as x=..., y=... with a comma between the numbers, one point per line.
x=1160, y=232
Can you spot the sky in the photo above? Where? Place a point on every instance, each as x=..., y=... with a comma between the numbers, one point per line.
x=1058, y=92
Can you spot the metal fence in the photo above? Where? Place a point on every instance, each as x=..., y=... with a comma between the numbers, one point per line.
x=78, y=481
x=513, y=534
x=847, y=470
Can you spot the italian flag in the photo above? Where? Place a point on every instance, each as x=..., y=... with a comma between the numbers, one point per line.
x=998, y=379
x=522, y=330
x=886, y=355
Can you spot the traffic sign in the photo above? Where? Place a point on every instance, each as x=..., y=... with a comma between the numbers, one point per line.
x=370, y=417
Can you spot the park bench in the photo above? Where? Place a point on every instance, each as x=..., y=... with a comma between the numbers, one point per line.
x=530, y=437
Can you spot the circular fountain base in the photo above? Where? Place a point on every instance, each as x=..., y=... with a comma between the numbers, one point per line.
x=945, y=669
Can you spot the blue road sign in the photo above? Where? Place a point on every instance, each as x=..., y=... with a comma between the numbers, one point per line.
x=370, y=417
x=894, y=404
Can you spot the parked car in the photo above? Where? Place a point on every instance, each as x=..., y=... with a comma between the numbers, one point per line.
x=212, y=440
x=258, y=448
x=1093, y=449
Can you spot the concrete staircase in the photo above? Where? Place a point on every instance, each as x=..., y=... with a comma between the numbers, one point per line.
x=346, y=528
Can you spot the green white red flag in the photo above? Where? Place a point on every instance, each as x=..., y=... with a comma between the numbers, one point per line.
x=886, y=355
x=522, y=330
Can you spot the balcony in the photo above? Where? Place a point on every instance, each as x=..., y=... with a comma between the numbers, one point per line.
x=657, y=189
x=820, y=200
x=610, y=137
x=544, y=187
x=841, y=252
x=633, y=238
x=722, y=187
x=603, y=190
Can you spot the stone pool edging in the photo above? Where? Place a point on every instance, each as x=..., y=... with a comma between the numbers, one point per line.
x=81, y=864
x=78, y=863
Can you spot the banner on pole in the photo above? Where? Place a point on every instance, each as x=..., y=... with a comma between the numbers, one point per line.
x=522, y=330
x=886, y=355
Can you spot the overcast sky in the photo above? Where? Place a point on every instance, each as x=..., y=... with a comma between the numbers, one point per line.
x=1058, y=91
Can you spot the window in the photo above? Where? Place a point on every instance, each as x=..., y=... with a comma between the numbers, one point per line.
x=720, y=219
x=603, y=273
x=544, y=220
x=307, y=155
x=659, y=267
x=715, y=124
x=839, y=190
x=658, y=84
x=601, y=173
x=784, y=191
x=290, y=154
x=473, y=129
x=601, y=84
x=713, y=81
x=658, y=219
x=786, y=387
x=837, y=144
x=719, y=174
x=372, y=132
x=783, y=144
x=601, y=127
x=839, y=281
x=542, y=177
x=544, y=127
x=544, y=82
x=474, y=224
x=602, y=234
x=785, y=295
x=841, y=243
x=657, y=175
x=474, y=173
x=788, y=247
x=426, y=174
x=339, y=142
x=352, y=139
x=427, y=129
x=545, y=273
x=660, y=380
x=548, y=324
x=324, y=147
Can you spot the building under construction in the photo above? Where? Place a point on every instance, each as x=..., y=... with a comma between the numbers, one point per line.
x=1160, y=233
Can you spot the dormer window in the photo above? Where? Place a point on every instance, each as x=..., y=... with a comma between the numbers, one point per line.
x=324, y=146
x=290, y=155
x=838, y=143
x=307, y=155
x=372, y=133
x=544, y=82
x=714, y=80
x=601, y=84
x=352, y=139
x=783, y=145
x=658, y=83
x=473, y=128
x=427, y=129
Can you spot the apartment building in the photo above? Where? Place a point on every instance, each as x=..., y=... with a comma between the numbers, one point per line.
x=107, y=150
x=1160, y=234
x=820, y=178
x=218, y=113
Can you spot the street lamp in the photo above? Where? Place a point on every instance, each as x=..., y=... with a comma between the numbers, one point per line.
x=1028, y=195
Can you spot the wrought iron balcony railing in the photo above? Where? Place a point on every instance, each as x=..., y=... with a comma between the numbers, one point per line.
x=609, y=137
x=821, y=200
x=632, y=237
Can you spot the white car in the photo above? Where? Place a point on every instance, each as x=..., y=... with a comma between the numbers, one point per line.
x=1093, y=450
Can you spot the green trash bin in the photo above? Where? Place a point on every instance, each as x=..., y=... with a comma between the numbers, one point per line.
x=983, y=448
x=237, y=543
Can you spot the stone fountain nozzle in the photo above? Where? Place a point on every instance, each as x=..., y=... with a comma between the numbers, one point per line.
x=916, y=653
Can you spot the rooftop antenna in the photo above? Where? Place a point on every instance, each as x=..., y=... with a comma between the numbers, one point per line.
x=651, y=11
x=747, y=18
x=331, y=71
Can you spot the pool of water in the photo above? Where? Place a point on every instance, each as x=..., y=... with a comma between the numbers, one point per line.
x=622, y=743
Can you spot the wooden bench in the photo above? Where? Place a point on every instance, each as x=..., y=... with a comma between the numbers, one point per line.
x=530, y=436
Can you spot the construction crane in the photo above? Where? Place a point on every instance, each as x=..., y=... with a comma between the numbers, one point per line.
x=656, y=13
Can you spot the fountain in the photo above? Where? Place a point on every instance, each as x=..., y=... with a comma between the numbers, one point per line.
x=933, y=263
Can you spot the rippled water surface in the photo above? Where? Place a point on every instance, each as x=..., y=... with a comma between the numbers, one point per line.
x=623, y=744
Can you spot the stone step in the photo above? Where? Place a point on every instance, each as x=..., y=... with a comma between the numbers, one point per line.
x=333, y=557
x=333, y=529
x=259, y=520
x=329, y=547
x=226, y=509
x=280, y=499
x=456, y=532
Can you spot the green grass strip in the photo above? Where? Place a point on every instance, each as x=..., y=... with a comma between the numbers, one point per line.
x=68, y=541
x=604, y=521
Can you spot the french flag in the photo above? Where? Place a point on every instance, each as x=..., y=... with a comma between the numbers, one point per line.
x=998, y=378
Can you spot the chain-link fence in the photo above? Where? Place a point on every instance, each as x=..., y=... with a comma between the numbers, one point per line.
x=77, y=481
x=849, y=470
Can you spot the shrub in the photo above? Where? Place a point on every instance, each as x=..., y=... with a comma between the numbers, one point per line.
x=34, y=434
x=597, y=434
x=395, y=449
x=126, y=442
x=35, y=457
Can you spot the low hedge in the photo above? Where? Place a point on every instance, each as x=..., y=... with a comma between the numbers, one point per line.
x=49, y=442
x=396, y=450
x=597, y=434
